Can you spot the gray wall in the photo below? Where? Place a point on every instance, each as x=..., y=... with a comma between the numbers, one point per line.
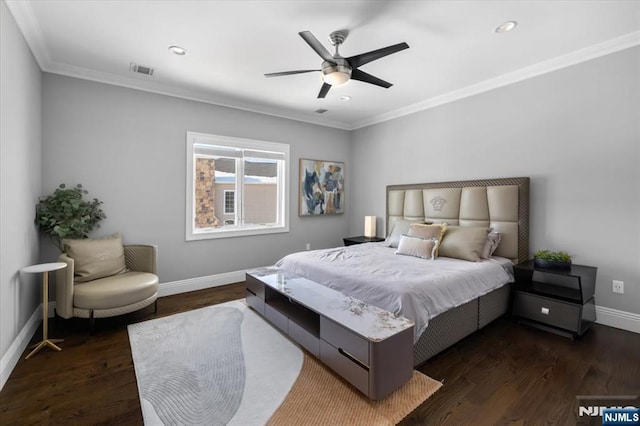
x=575, y=132
x=127, y=147
x=20, y=146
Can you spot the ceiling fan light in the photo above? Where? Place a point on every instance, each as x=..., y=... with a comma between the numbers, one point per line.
x=335, y=74
x=336, y=78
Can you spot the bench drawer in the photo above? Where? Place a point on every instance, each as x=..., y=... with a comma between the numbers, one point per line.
x=341, y=338
x=255, y=286
x=255, y=302
x=276, y=318
x=304, y=338
x=345, y=367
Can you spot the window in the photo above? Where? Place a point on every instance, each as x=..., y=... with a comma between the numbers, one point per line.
x=235, y=187
x=229, y=202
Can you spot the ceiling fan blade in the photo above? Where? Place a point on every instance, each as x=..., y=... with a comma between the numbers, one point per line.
x=365, y=58
x=324, y=90
x=356, y=74
x=317, y=46
x=279, y=74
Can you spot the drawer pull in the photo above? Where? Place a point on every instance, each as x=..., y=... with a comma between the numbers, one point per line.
x=352, y=358
x=544, y=311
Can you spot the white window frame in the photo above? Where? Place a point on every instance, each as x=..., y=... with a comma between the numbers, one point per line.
x=281, y=225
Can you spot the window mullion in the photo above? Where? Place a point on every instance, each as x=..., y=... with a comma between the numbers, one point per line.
x=240, y=191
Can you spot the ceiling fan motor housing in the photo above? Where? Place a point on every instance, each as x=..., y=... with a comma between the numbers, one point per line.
x=336, y=74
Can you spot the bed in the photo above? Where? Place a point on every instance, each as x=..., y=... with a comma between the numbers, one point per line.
x=447, y=298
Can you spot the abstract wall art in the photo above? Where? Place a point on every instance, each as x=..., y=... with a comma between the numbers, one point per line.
x=321, y=188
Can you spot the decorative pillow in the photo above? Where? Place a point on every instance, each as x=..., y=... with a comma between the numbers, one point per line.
x=400, y=227
x=464, y=242
x=418, y=247
x=492, y=243
x=425, y=231
x=96, y=258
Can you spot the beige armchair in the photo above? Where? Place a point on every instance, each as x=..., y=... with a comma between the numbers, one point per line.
x=113, y=295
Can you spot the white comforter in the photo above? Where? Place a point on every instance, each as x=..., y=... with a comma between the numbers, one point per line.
x=415, y=288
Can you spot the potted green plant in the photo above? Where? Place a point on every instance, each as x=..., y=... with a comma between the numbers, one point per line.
x=552, y=259
x=65, y=214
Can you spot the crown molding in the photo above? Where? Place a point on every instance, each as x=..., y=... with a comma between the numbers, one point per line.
x=582, y=55
x=27, y=22
x=192, y=95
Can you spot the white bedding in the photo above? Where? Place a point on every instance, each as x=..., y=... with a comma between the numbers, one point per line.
x=415, y=288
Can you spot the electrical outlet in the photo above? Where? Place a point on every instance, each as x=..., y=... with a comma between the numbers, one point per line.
x=308, y=246
x=618, y=286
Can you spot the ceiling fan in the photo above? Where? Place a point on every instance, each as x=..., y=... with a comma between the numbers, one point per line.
x=338, y=70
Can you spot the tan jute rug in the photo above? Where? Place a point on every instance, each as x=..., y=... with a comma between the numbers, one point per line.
x=320, y=397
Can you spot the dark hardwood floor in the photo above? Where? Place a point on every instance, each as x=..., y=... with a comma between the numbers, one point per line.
x=504, y=374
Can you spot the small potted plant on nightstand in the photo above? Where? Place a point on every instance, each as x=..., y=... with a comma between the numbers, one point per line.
x=552, y=259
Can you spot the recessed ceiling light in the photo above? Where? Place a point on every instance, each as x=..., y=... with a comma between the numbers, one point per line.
x=178, y=50
x=505, y=27
x=345, y=98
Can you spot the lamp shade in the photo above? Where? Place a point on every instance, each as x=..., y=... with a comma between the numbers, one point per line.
x=369, y=226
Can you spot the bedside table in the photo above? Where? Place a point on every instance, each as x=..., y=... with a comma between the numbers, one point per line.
x=556, y=300
x=349, y=241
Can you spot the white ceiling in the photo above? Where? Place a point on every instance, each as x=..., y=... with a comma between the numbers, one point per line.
x=453, y=50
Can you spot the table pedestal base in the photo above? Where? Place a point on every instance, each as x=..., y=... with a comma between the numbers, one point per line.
x=48, y=342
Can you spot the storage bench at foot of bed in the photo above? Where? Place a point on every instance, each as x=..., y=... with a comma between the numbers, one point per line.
x=367, y=346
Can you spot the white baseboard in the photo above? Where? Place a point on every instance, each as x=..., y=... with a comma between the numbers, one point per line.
x=200, y=283
x=618, y=319
x=13, y=354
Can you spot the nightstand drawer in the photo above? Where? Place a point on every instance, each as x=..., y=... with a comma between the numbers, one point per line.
x=548, y=311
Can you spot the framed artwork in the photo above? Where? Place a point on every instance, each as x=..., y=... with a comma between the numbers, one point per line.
x=321, y=188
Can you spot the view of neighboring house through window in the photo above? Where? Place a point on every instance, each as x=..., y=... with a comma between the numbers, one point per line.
x=235, y=186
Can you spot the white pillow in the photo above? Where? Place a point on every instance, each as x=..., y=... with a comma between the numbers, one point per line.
x=424, y=248
x=400, y=227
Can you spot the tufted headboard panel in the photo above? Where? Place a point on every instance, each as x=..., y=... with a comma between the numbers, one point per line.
x=502, y=204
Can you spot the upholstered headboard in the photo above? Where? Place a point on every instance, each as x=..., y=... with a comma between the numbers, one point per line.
x=502, y=204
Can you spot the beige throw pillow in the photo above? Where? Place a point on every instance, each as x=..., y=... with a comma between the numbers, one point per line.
x=418, y=247
x=464, y=242
x=95, y=259
x=424, y=231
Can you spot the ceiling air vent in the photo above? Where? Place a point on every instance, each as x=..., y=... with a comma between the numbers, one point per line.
x=321, y=110
x=140, y=69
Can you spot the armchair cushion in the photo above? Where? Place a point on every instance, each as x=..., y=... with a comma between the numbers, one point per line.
x=95, y=259
x=115, y=291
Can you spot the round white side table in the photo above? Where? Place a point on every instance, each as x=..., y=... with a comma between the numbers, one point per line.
x=44, y=268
